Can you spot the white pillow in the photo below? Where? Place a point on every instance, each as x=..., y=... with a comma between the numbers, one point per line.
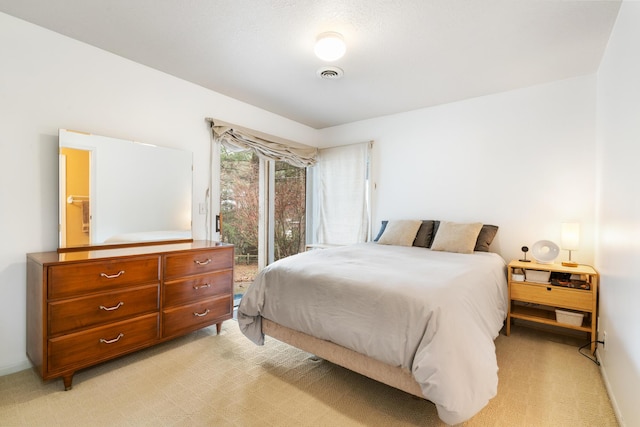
x=456, y=237
x=400, y=233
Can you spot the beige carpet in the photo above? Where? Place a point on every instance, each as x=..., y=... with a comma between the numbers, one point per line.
x=208, y=380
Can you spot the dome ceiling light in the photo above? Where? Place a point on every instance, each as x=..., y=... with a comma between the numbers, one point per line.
x=330, y=46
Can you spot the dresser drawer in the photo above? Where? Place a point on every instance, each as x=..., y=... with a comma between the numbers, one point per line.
x=552, y=295
x=197, y=288
x=101, y=343
x=194, y=316
x=79, y=313
x=82, y=278
x=191, y=263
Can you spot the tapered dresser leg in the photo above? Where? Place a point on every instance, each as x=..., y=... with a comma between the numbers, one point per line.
x=67, y=379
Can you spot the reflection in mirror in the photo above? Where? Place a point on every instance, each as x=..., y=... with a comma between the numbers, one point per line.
x=115, y=191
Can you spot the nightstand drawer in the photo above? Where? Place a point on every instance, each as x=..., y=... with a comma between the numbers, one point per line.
x=552, y=295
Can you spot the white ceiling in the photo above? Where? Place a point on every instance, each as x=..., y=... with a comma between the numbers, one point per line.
x=401, y=54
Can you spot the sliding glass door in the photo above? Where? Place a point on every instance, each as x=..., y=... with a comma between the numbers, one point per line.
x=262, y=209
x=290, y=216
x=240, y=213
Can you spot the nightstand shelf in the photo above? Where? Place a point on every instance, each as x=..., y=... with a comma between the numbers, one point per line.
x=536, y=302
x=546, y=317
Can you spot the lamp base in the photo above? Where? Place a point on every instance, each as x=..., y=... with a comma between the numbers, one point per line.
x=569, y=264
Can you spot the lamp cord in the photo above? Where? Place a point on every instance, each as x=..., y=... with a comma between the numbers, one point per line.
x=594, y=359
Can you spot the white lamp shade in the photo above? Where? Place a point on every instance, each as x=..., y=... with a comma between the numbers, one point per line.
x=570, y=236
x=330, y=46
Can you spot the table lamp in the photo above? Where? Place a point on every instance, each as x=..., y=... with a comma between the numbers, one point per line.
x=570, y=240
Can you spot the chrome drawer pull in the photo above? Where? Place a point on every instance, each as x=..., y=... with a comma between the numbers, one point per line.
x=116, y=339
x=206, y=285
x=201, y=314
x=112, y=276
x=115, y=307
x=202, y=262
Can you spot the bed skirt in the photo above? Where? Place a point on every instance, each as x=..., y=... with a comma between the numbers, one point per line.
x=390, y=375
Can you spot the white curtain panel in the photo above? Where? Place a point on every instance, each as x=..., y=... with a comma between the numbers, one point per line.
x=342, y=207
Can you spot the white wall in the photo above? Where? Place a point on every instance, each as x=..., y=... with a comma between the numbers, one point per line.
x=618, y=256
x=47, y=82
x=523, y=160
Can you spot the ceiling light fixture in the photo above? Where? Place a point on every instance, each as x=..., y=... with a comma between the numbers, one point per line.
x=330, y=46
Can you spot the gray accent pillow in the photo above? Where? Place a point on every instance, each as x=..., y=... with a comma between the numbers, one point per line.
x=436, y=225
x=382, y=227
x=485, y=237
x=425, y=234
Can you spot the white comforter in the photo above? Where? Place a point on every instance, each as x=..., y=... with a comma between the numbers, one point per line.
x=434, y=313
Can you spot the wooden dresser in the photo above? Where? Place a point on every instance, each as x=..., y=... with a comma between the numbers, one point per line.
x=87, y=307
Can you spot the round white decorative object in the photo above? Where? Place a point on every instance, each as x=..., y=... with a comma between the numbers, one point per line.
x=545, y=251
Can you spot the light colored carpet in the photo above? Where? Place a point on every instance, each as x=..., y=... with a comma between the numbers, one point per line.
x=208, y=380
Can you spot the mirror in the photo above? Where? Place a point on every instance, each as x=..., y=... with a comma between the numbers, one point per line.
x=119, y=192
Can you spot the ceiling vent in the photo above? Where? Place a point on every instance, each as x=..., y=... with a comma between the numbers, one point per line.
x=330, y=73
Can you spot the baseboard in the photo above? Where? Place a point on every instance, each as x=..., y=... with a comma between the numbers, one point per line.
x=12, y=369
x=607, y=386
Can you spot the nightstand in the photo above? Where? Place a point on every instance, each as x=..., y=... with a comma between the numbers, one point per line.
x=537, y=302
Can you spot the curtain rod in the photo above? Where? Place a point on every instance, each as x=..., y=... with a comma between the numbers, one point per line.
x=370, y=142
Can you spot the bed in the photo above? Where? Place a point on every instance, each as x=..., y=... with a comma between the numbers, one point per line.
x=418, y=319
